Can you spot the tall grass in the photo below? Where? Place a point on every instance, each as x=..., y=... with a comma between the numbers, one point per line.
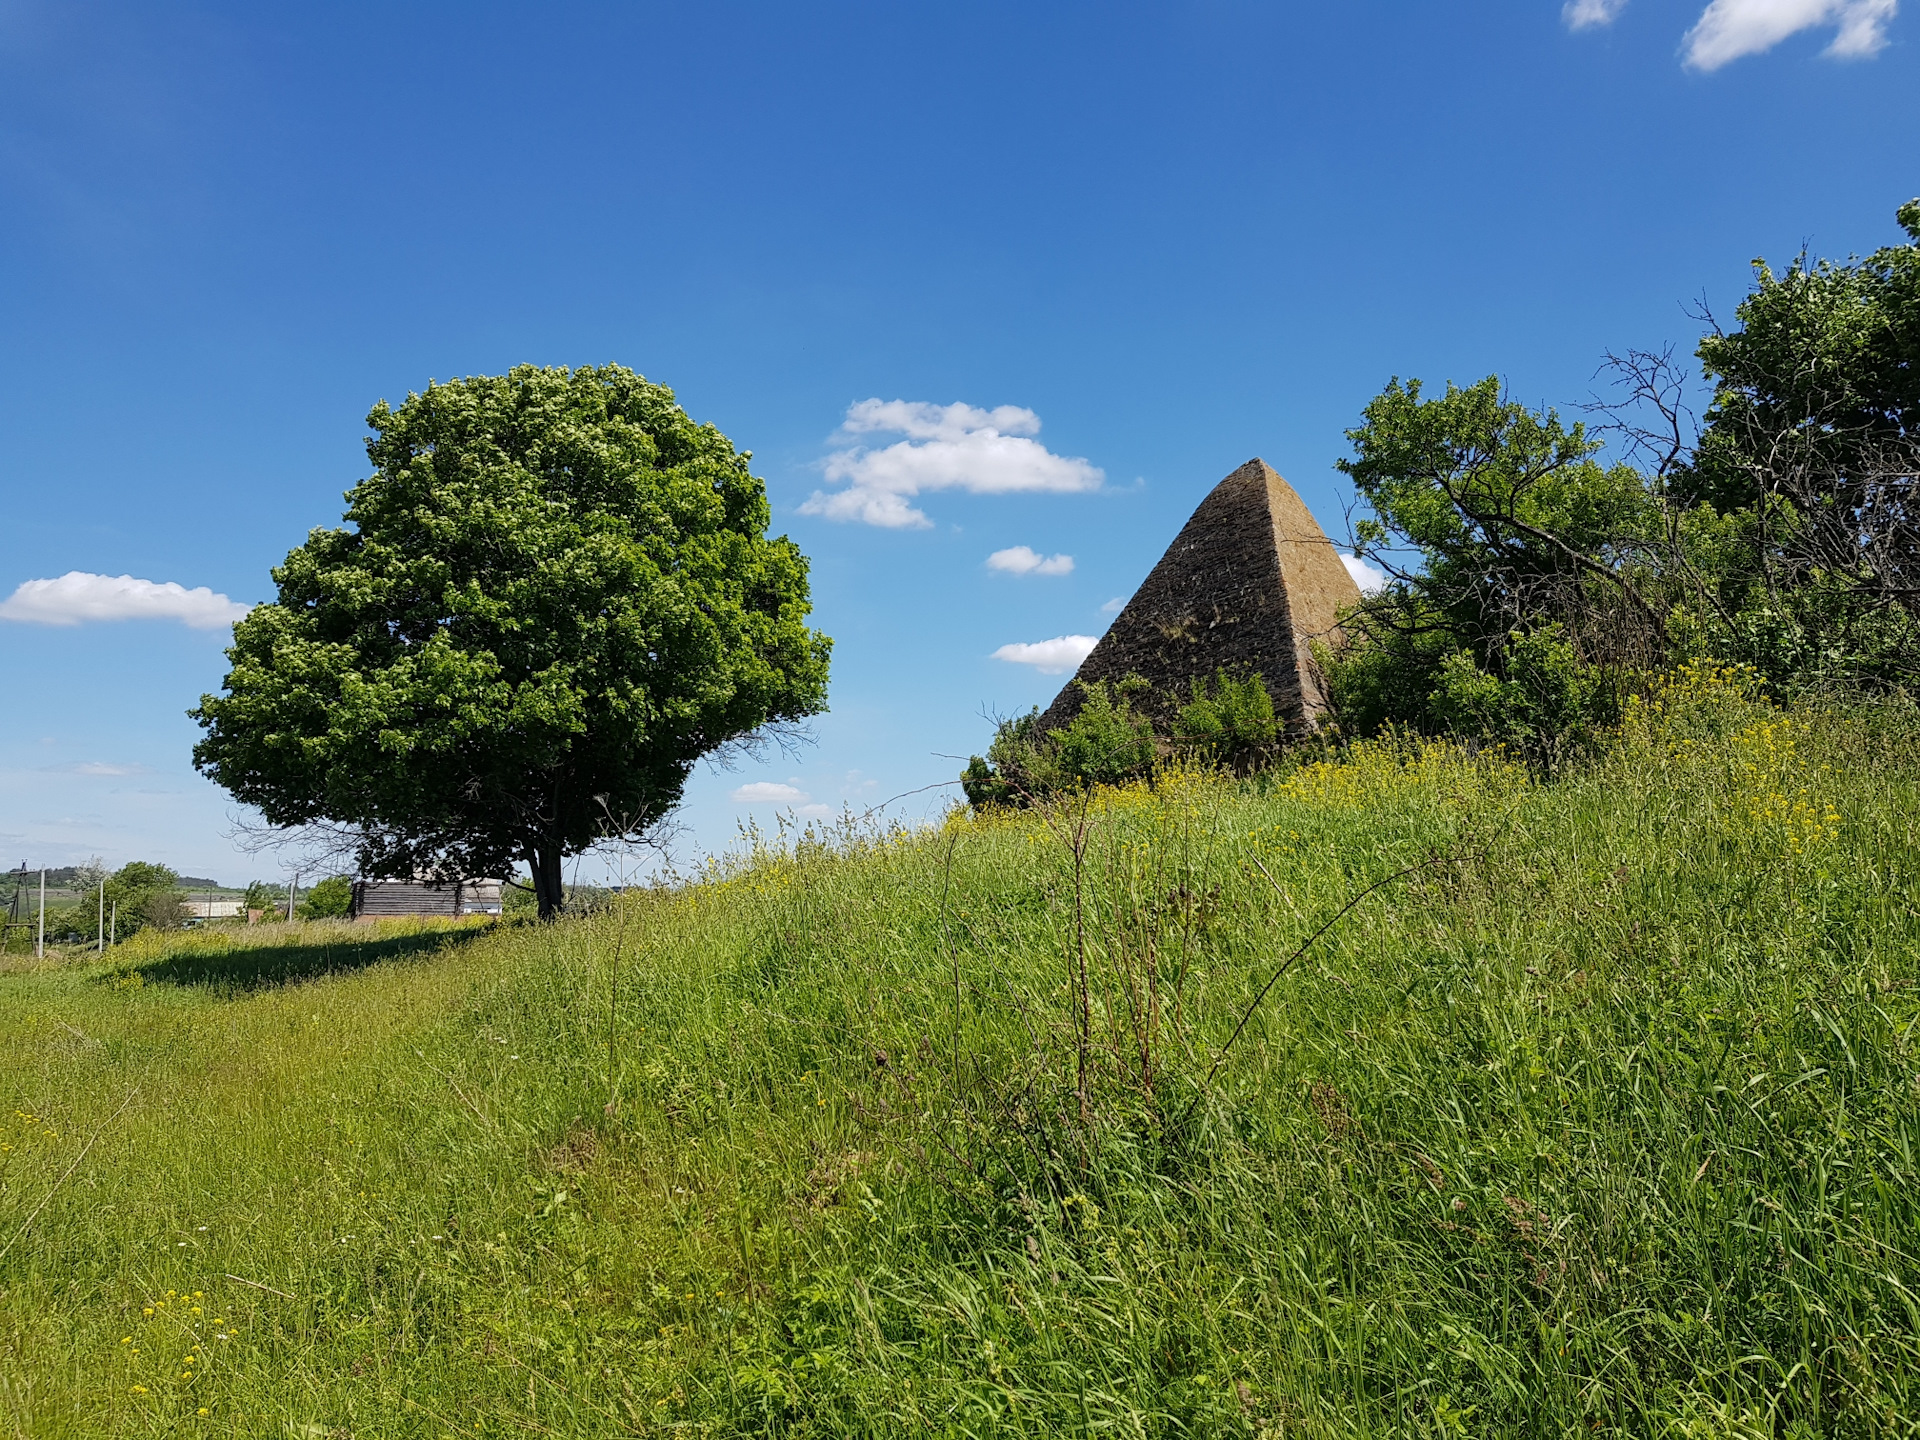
x=1598, y=1119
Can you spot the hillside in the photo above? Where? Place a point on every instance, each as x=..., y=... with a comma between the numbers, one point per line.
x=1600, y=1118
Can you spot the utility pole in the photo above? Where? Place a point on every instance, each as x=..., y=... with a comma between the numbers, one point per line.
x=100, y=935
x=292, y=890
x=40, y=939
x=13, y=921
x=113, y=925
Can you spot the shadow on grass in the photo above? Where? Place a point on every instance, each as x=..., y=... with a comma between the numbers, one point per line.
x=261, y=967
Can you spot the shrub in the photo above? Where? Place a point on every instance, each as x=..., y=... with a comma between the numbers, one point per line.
x=1534, y=692
x=1108, y=743
x=330, y=899
x=143, y=896
x=1229, y=723
x=160, y=910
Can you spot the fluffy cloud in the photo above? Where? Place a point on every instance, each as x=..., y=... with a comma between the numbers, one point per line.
x=1113, y=606
x=1025, y=560
x=1589, y=14
x=1729, y=29
x=1049, y=657
x=78, y=596
x=1370, y=578
x=945, y=447
x=768, y=792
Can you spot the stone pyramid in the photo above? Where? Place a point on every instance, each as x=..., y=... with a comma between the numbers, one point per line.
x=1247, y=586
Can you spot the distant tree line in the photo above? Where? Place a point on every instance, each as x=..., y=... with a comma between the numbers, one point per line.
x=143, y=895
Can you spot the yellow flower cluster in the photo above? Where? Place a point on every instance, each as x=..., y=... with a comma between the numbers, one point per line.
x=1171, y=792
x=1370, y=772
x=182, y=1320
x=1800, y=824
x=1771, y=776
x=26, y=1127
x=1275, y=840
x=1747, y=760
x=1701, y=690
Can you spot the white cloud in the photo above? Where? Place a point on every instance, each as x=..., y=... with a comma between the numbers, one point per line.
x=1370, y=578
x=78, y=596
x=1590, y=14
x=919, y=420
x=947, y=447
x=1113, y=606
x=1049, y=657
x=1025, y=560
x=815, y=812
x=768, y=792
x=103, y=767
x=1729, y=29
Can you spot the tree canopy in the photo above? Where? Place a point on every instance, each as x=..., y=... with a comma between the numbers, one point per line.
x=1513, y=552
x=1534, y=586
x=556, y=596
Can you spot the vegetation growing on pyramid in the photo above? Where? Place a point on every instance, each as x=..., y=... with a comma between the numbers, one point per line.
x=1248, y=587
x=1223, y=722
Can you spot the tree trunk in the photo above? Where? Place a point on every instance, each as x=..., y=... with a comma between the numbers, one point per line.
x=545, y=865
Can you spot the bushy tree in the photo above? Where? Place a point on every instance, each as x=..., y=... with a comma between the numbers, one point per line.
x=329, y=899
x=1807, y=467
x=1784, y=532
x=1525, y=585
x=140, y=895
x=1817, y=389
x=271, y=900
x=557, y=594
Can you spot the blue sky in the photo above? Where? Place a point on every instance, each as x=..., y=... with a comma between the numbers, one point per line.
x=1102, y=254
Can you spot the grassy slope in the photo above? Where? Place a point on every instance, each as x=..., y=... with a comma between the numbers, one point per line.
x=1602, y=1122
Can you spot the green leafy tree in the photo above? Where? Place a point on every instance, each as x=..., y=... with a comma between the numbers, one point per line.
x=139, y=895
x=556, y=596
x=138, y=876
x=271, y=900
x=1817, y=386
x=1807, y=471
x=330, y=899
x=1534, y=592
x=1784, y=532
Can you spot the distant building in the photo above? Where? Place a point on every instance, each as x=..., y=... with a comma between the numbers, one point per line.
x=380, y=899
x=205, y=909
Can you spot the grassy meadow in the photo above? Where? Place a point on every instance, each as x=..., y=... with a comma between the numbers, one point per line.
x=1595, y=1114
